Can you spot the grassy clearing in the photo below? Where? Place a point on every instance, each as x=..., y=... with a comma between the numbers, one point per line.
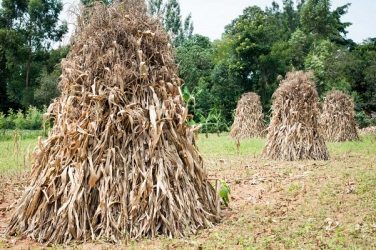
x=276, y=205
x=8, y=135
x=366, y=146
x=223, y=145
x=289, y=205
x=15, y=158
x=216, y=145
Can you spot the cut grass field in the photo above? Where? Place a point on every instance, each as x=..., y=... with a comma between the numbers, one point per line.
x=273, y=205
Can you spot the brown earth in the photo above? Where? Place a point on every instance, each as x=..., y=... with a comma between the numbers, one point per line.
x=274, y=205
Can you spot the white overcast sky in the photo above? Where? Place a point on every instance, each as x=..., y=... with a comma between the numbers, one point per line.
x=211, y=16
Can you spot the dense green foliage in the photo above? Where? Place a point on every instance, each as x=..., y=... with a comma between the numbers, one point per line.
x=32, y=119
x=170, y=15
x=256, y=50
x=28, y=28
x=261, y=46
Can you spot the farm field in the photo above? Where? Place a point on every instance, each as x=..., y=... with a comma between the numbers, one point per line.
x=273, y=205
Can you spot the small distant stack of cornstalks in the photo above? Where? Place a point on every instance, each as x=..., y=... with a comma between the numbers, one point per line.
x=249, y=118
x=293, y=133
x=337, y=121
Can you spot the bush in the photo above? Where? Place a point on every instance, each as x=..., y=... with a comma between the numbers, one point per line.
x=3, y=121
x=213, y=123
x=19, y=120
x=363, y=120
x=31, y=120
x=48, y=87
x=10, y=120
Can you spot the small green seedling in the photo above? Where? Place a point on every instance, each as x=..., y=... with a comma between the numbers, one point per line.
x=224, y=192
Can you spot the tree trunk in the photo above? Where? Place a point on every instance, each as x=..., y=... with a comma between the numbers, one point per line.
x=28, y=66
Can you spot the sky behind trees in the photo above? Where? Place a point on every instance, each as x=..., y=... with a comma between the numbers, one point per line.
x=211, y=16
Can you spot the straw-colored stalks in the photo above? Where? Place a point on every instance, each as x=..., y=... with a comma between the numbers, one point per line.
x=293, y=133
x=120, y=161
x=368, y=131
x=16, y=143
x=337, y=121
x=249, y=118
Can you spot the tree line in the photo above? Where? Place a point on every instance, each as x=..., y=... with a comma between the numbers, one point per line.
x=259, y=47
x=256, y=50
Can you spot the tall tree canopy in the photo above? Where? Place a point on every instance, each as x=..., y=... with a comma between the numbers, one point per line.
x=170, y=14
x=28, y=28
x=256, y=50
x=262, y=45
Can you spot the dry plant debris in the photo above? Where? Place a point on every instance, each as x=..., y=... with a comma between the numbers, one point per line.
x=368, y=131
x=337, y=121
x=249, y=118
x=120, y=161
x=293, y=133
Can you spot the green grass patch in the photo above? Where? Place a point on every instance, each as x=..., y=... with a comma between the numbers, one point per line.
x=14, y=159
x=8, y=134
x=216, y=145
x=366, y=145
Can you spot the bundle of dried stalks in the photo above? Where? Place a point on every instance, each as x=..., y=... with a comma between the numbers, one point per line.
x=293, y=133
x=120, y=161
x=337, y=121
x=368, y=131
x=249, y=119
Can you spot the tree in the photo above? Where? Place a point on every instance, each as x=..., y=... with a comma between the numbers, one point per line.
x=156, y=7
x=250, y=40
x=27, y=30
x=290, y=16
x=49, y=78
x=361, y=72
x=326, y=61
x=47, y=89
x=300, y=44
x=194, y=57
x=317, y=19
x=170, y=14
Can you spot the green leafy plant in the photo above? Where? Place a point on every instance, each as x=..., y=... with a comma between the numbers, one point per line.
x=10, y=118
x=3, y=121
x=33, y=119
x=213, y=122
x=224, y=193
x=363, y=120
x=19, y=120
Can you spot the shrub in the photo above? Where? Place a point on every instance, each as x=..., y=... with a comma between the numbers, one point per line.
x=19, y=120
x=10, y=120
x=363, y=120
x=3, y=121
x=33, y=119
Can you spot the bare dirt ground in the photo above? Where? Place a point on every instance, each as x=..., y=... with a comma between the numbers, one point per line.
x=274, y=205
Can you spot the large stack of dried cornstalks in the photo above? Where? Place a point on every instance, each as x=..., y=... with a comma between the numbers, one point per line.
x=120, y=160
x=293, y=133
x=249, y=119
x=337, y=121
